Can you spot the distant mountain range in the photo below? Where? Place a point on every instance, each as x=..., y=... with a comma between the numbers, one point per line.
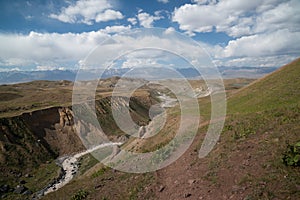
x=54, y=75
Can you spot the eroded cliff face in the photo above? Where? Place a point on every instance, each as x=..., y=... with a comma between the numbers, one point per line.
x=90, y=132
x=54, y=128
x=35, y=137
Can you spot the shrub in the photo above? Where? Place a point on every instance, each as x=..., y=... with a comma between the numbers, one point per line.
x=81, y=194
x=100, y=172
x=292, y=155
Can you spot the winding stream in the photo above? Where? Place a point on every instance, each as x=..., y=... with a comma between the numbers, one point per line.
x=69, y=164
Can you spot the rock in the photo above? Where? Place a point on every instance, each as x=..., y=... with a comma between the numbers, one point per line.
x=161, y=188
x=122, y=138
x=20, y=189
x=2, y=146
x=246, y=162
x=27, y=176
x=263, y=183
x=27, y=192
x=4, y=188
x=191, y=181
x=98, y=186
x=237, y=189
x=66, y=117
x=186, y=195
x=276, y=140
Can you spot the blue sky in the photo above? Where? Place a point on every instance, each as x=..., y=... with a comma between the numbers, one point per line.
x=57, y=34
x=26, y=16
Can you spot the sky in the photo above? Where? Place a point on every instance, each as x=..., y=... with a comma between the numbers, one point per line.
x=58, y=34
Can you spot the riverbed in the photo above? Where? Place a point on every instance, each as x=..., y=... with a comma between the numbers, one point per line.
x=70, y=166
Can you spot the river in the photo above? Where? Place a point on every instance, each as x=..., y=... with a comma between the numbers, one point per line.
x=70, y=166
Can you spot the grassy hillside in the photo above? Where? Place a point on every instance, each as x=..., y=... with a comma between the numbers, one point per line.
x=26, y=97
x=278, y=89
x=262, y=121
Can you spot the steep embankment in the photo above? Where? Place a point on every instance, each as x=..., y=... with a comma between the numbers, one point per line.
x=31, y=139
x=138, y=108
x=34, y=138
x=20, y=146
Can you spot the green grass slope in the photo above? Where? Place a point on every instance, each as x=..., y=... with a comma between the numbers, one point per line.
x=262, y=120
x=278, y=89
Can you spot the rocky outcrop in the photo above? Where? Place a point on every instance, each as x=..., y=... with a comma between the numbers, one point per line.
x=65, y=117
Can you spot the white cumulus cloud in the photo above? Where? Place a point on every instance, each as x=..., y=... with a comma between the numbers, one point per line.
x=48, y=49
x=146, y=20
x=259, y=61
x=116, y=29
x=238, y=18
x=108, y=15
x=163, y=1
x=278, y=42
x=132, y=20
x=261, y=30
x=88, y=12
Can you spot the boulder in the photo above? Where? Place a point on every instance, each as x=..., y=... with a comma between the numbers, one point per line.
x=186, y=195
x=161, y=188
x=20, y=189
